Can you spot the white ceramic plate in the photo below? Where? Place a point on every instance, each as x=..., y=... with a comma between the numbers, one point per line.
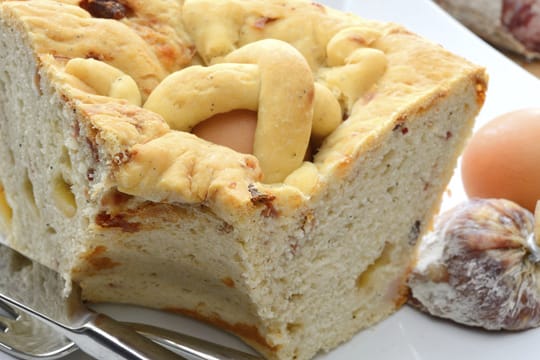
x=409, y=334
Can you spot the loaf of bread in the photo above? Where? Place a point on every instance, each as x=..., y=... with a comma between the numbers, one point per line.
x=103, y=181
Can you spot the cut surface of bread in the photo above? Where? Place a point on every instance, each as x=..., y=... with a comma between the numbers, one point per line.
x=100, y=182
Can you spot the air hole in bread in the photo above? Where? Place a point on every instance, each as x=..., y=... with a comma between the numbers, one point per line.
x=388, y=162
x=11, y=157
x=389, y=157
x=63, y=197
x=295, y=297
x=193, y=259
x=28, y=191
x=51, y=230
x=65, y=159
x=294, y=327
x=5, y=79
x=367, y=278
x=5, y=210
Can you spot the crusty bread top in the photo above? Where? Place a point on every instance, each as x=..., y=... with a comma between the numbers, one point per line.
x=151, y=39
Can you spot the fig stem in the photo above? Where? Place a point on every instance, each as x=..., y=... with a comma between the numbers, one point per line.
x=534, y=248
x=537, y=223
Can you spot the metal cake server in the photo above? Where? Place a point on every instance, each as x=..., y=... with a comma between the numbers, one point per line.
x=25, y=337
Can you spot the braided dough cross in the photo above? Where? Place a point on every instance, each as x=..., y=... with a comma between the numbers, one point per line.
x=268, y=76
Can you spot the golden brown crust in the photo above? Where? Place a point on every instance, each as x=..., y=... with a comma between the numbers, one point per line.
x=247, y=332
x=68, y=36
x=99, y=262
x=139, y=138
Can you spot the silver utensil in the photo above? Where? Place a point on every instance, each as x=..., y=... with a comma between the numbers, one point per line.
x=29, y=338
x=25, y=337
x=194, y=347
x=39, y=291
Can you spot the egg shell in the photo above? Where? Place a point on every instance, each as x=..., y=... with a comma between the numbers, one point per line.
x=502, y=159
x=235, y=129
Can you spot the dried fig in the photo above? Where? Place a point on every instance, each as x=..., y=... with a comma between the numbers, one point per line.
x=479, y=267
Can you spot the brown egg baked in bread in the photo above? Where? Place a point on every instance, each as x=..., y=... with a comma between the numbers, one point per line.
x=102, y=180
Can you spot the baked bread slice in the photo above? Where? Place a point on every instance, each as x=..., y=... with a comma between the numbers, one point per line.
x=118, y=199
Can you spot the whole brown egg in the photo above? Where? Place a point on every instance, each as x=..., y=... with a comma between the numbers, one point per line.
x=502, y=160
